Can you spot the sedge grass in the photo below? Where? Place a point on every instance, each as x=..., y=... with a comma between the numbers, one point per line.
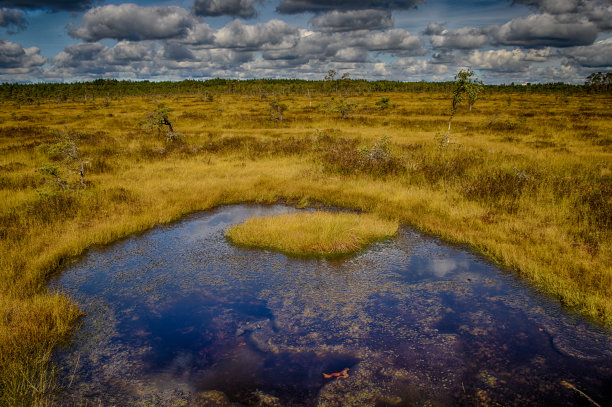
x=527, y=183
x=320, y=234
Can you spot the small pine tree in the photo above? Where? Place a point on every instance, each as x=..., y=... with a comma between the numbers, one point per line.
x=68, y=160
x=160, y=118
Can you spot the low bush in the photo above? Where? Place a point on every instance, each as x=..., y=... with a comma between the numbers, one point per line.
x=345, y=158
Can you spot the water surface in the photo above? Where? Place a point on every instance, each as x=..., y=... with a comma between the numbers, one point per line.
x=179, y=316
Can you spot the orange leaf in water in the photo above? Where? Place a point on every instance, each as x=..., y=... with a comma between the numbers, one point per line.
x=341, y=374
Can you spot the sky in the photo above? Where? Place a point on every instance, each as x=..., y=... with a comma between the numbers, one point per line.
x=536, y=41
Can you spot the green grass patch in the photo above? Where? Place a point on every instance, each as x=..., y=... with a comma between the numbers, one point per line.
x=320, y=234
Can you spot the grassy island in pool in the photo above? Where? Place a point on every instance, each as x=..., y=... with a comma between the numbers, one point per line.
x=321, y=234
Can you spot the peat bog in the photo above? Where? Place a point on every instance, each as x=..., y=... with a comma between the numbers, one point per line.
x=180, y=316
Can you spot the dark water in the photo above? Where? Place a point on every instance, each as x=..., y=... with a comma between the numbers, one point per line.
x=178, y=316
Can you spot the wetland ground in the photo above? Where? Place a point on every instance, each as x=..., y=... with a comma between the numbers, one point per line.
x=526, y=182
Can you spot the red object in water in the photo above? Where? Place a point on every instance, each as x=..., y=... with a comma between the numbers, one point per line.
x=341, y=374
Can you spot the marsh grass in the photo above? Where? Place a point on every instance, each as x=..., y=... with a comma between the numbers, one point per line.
x=318, y=234
x=532, y=191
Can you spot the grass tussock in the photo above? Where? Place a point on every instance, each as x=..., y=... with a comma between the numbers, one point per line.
x=525, y=181
x=321, y=234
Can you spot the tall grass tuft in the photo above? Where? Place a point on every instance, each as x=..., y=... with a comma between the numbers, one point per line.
x=321, y=234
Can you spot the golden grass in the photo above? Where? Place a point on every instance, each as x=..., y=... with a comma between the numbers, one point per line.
x=321, y=233
x=527, y=182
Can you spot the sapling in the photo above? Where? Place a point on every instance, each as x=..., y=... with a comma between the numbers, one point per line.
x=466, y=85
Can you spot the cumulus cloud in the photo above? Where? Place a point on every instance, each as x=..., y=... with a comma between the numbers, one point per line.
x=199, y=34
x=598, y=12
x=129, y=59
x=444, y=56
x=353, y=20
x=544, y=30
x=433, y=29
x=463, y=38
x=598, y=55
x=380, y=69
x=12, y=19
x=595, y=12
x=239, y=35
x=135, y=23
x=326, y=48
x=551, y=6
x=417, y=69
x=233, y=8
x=78, y=57
x=351, y=54
x=561, y=73
x=503, y=60
x=14, y=58
x=321, y=6
x=95, y=59
x=177, y=52
x=55, y=5
x=394, y=42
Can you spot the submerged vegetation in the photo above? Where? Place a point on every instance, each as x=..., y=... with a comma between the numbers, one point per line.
x=323, y=234
x=527, y=181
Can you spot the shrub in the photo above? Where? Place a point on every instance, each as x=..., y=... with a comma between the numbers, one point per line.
x=383, y=103
x=343, y=157
x=68, y=160
x=276, y=109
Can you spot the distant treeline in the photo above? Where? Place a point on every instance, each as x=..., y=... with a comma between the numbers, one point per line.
x=115, y=88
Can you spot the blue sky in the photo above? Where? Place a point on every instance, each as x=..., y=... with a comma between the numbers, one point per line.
x=517, y=41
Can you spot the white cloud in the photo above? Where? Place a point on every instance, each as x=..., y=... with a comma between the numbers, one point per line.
x=463, y=38
x=15, y=56
x=503, y=60
x=598, y=12
x=544, y=30
x=135, y=23
x=239, y=35
x=597, y=55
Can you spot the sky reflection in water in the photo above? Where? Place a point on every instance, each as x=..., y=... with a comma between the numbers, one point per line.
x=178, y=315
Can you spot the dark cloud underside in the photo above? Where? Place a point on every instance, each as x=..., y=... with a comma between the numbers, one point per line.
x=14, y=56
x=233, y=8
x=318, y=6
x=544, y=30
x=598, y=55
x=12, y=19
x=598, y=12
x=56, y=5
x=336, y=21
